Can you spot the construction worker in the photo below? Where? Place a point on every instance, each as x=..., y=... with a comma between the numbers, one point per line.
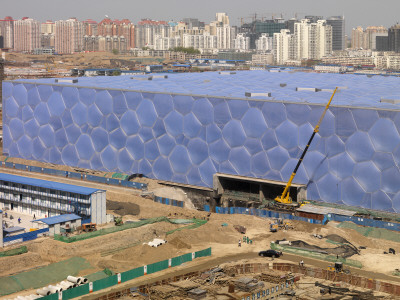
x=19, y=220
x=301, y=263
x=240, y=243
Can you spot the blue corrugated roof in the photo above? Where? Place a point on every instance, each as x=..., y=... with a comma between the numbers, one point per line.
x=58, y=219
x=48, y=184
x=362, y=91
x=13, y=229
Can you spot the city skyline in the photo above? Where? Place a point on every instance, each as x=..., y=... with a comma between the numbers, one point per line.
x=371, y=13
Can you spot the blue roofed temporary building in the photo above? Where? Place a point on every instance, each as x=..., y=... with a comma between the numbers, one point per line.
x=187, y=127
x=42, y=198
x=58, y=224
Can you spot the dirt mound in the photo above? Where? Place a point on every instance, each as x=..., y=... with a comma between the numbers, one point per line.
x=343, y=250
x=337, y=238
x=123, y=208
x=178, y=243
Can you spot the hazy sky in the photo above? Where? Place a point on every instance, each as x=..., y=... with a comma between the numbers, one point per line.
x=356, y=12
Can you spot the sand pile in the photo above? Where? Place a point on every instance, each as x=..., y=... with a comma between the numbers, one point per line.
x=123, y=208
x=179, y=244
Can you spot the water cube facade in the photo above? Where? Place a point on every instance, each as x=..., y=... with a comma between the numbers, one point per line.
x=186, y=138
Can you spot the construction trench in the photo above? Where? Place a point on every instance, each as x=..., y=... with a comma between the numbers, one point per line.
x=239, y=281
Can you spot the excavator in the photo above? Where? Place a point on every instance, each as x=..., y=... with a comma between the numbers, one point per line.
x=285, y=200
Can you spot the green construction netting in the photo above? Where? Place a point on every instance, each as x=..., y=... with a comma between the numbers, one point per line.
x=196, y=223
x=112, y=280
x=42, y=276
x=84, y=236
x=316, y=255
x=119, y=176
x=99, y=275
x=373, y=232
x=16, y=251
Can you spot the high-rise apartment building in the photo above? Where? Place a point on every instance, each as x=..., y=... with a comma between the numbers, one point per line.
x=372, y=33
x=199, y=41
x=48, y=27
x=146, y=31
x=69, y=36
x=394, y=38
x=358, y=38
x=222, y=19
x=265, y=42
x=7, y=32
x=366, y=39
x=225, y=35
x=47, y=37
x=90, y=27
x=118, y=28
x=241, y=42
x=167, y=43
x=283, y=46
x=338, y=32
x=312, y=40
x=26, y=35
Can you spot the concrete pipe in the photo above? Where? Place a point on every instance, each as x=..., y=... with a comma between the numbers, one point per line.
x=60, y=287
x=83, y=280
x=74, y=279
x=66, y=284
x=53, y=289
x=43, y=292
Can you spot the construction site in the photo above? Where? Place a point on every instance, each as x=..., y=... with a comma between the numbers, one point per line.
x=207, y=197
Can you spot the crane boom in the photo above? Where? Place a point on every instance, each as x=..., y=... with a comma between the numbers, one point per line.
x=284, y=198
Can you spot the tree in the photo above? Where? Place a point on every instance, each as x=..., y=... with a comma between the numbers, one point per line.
x=115, y=51
x=116, y=73
x=189, y=50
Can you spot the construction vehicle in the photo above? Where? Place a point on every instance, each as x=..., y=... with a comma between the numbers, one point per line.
x=280, y=224
x=285, y=198
x=89, y=227
x=338, y=268
x=273, y=227
x=118, y=221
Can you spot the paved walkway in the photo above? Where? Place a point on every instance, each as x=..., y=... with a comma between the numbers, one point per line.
x=25, y=219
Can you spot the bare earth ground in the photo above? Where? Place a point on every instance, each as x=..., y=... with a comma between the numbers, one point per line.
x=124, y=250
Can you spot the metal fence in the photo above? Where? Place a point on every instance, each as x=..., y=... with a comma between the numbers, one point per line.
x=333, y=217
x=168, y=201
x=26, y=236
x=126, y=276
x=260, y=213
x=365, y=222
x=76, y=175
